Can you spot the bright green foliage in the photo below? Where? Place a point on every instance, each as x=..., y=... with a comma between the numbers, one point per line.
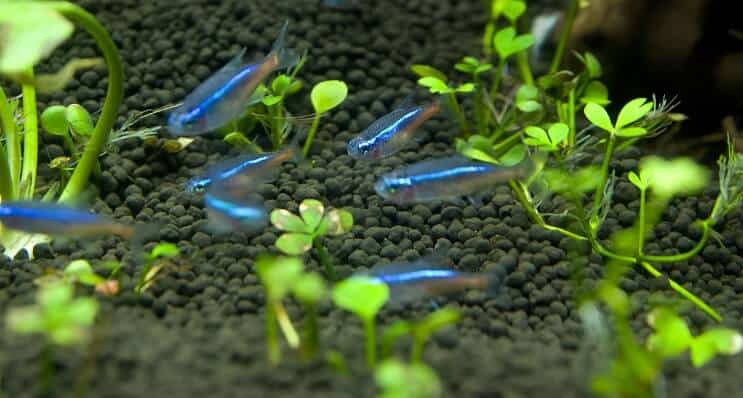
x=437, y=86
x=81, y=271
x=361, y=295
x=54, y=121
x=593, y=66
x=30, y=32
x=712, y=342
x=151, y=267
x=428, y=71
x=399, y=380
x=278, y=275
x=79, y=120
x=527, y=98
x=548, y=141
x=513, y=9
x=580, y=181
x=507, y=43
x=328, y=95
x=667, y=178
x=632, y=112
x=425, y=328
x=65, y=320
x=640, y=181
x=596, y=93
x=309, y=288
x=469, y=65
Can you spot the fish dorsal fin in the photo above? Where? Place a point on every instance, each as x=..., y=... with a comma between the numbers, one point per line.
x=218, y=79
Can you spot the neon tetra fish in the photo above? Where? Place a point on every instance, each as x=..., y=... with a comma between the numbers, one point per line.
x=393, y=131
x=225, y=96
x=227, y=212
x=445, y=179
x=425, y=278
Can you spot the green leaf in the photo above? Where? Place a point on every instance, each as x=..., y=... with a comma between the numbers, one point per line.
x=30, y=31
x=596, y=93
x=437, y=320
x=477, y=154
x=54, y=296
x=46, y=83
x=597, y=115
x=82, y=311
x=514, y=9
x=339, y=221
x=483, y=68
x=280, y=84
x=361, y=295
x=582, y=180
x=671, y=337
x=278, y=274
x=527, y=92
x=81, y=271
x=558, y=132
x=593, y=66
x=294, y=243
x=312, y=212
x=637, y=180
x=536, y=136
x=236, y=139
x=79, y=120
x=286, y=221
x=328, y=94
x=506, y=42
x=681, y=176
x=309, y=288
x=515, y=155
x=428, y=71
x=435, y=85
x=713, y=342
x=529, y=106
x=398, y=380
x=25, y=320
x=633, y=111
x=54, y=121
x=271, y=100
x=164, y=249
x=629, y=132
x=466, y=88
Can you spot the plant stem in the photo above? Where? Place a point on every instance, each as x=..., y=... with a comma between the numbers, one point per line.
x=522, y=197
x=371, y=342
x=47, y=369
x=30, y=141
x=416, y=351
x=522, y=62
x=286, y=325
x=311, y=135
x=311, y=339
x=451, y=99
x=504, y=146
x=682, y=256
x=325, y=259
x=562, y=44
x=114, y=95
x=641, y=224
x=497, y=79
x=598, y=195
x=683, y=292
x=272, y=339
x=571, y=118
x=7, y=124
x=480, y=122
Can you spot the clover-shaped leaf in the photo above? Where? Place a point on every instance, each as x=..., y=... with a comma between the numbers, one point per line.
x=713, y=342
x=428, y=71
x=287, y=221
x=633, y=111
x=596, y=93
x=339, y=221
x=506, y=42
x=328, y=94
x=597, y=115
x=536, y=136
x=79, y=119
x=546, y=140
x=293, y=243
x=514, y=9
x=435, y=85
x=638, y=180
x=671, y=336
x=312, y=212
x=681, y=176
x=526, y=98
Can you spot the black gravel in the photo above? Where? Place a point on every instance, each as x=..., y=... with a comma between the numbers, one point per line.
x=199, y=330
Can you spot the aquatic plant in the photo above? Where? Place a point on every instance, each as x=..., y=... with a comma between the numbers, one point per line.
x=421, y=331
x=152, y=267
x=397, y=379
x=81, y=272
x=305, y=232
x=31, y=30
x=310, y=289
x=63, y=319
x=325, y=96
x=278, y=275
x=364, y=297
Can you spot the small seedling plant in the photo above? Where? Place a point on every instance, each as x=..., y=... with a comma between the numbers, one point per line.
x=421, y=331
x=310, y=289
x=80, y=272
x=153, y=265
x=307, y=231
x=63, y=319
x=364, y=297
x=31, y=30
x=397, y=379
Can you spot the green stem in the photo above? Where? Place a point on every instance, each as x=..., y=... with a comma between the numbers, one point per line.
x=504, y=146
x=7, y=124
x=286, y=325
x=30, y=141
x=272, y=339
x=598, y=195
x=641, y=224
x=325, y=259
x=562, y=44
x=480, y=121
x=523, y=198
x=311, y=135
x=571, y=118
x=47, y=369
x=522, y=62
x=371, y=342
x=416, y=352
x=682, y=256
x=114, y=94
x=497, y=79
x=683, y=292
x=451, y=99
x=311, y=339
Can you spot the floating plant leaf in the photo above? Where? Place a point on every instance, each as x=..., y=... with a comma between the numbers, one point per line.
x=29, y=31
x=312, y=212
x=79, y=119
x=54, y=120
x=294, y=243
x=287, y=221
x=428, y=71
x=328, y=94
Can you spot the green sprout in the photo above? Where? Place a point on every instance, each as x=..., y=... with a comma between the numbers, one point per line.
x=437, y=83
x=325, y=96
x=61, y=318
x=421, y=331
x=364, y=297
x=399, y=380
x=278, y=275
x=152, y=267
x=72, y=123
x=302, y=234
x=392, y=334
x=310, y=289
x=548, y=141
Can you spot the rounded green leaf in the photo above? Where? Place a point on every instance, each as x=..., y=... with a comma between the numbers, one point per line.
x=287, y=221
x=278, y=274
x=82, y=311
x=437, y=320
x=54, y=120
x=631, y=132
x=435, y=85
x=294, y=243
x=596, y=92
x=339, y=221
x=636, y=180
x=280, y=84
x=361, y=295
x=538, y=136
x=633, y=111
x=271, y=100
x=515, y=155
x=399, y=380
x=428, y=71
x=29, y=32
x=312, y=212
x=79, y=120
x=328, y=94
x=54, y=296
x=164, y=249
x=310, y=288
x=514, y=9
x=558, y=132
x=81, y=271
x=529, y=106
x=527, y=92
x=681, y=176
x=597, y=115
x=671, y=337
x=237, y=139
x=466, y=88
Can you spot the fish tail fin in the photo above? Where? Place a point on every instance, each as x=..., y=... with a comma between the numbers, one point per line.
x=286, y=57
